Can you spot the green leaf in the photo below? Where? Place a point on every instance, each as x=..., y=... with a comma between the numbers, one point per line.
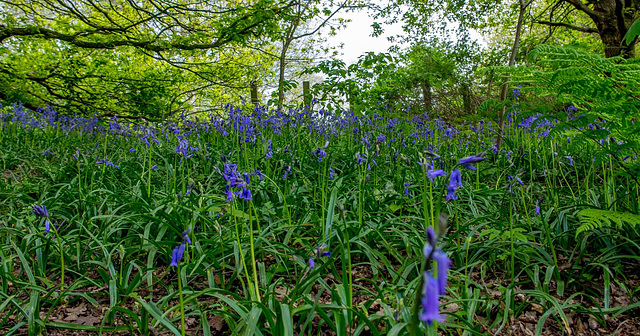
x=633, y=32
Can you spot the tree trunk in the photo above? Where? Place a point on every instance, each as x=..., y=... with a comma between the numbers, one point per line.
x=490, y=84
x=283, y=64
x=612, y=19
x=614, y=22
x=426, y=94
x=512, y=62
x=467, y=99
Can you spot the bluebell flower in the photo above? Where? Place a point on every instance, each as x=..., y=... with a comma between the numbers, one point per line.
x=47, y=152
x=319, y=253
x=430, y=300
x=287, y=170
x=467, y=161
x=442, y=260
x=516, y=92
x=360, y=158
x=455, y=182
x=269, y=150
x=185, y=236
x=331, y=172
x=259, y=174
x=406, y=188
x=320, y=153
x=570, y=160
x=246, y=194
x=40, y=211
x=176, y=256
x=432, y=174
x=107, y=163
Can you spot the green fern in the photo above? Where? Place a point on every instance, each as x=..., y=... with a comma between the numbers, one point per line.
x=592, y=219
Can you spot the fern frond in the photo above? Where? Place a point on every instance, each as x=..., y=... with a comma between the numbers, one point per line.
x=593, y=219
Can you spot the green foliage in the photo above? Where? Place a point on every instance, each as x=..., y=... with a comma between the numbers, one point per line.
x=134, y=59
x=595, y=219
x=633, y=32
x=424, y=77
x=604, y=91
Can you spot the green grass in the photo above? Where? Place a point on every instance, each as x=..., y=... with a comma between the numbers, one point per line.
x=247, y=271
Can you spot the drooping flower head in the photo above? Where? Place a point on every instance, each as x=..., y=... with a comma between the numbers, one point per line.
x=185, y=236
x=430, y=300
x=467, y=161
x=570, y=160
x=455, y=182
x=40, y=211
x=433, y=173
x=320, y=251
x=176, y=256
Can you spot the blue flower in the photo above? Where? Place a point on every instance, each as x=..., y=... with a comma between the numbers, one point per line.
x=454, y=183
x=432, y=174
x=286, y=172
x=269, y=150
x=176, y=256
x=40, y=211
x=516, y=92
x=185, y=236
x=570, y=160
x=467, y=161
x=430, y=300
x=245, y=194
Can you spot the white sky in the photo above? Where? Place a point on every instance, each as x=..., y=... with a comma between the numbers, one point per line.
x=357, y=39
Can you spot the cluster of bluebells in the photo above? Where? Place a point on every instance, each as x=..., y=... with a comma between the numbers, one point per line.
x=433, y=287
x=237, y=184
x=41, y=211
x=107, y=163
x=516, y=92
x=178, y=252
x=184, y=149
x=320, y=153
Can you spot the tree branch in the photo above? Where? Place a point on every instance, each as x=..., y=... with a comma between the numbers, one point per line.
x=588, y=30
x=581, y=6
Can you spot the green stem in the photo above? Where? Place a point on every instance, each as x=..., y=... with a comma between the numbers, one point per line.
x=182, y=324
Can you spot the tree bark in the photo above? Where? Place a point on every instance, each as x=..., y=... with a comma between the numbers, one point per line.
x=512, y=62
x=426, y=94
x=612, y=19
x=614, y=23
